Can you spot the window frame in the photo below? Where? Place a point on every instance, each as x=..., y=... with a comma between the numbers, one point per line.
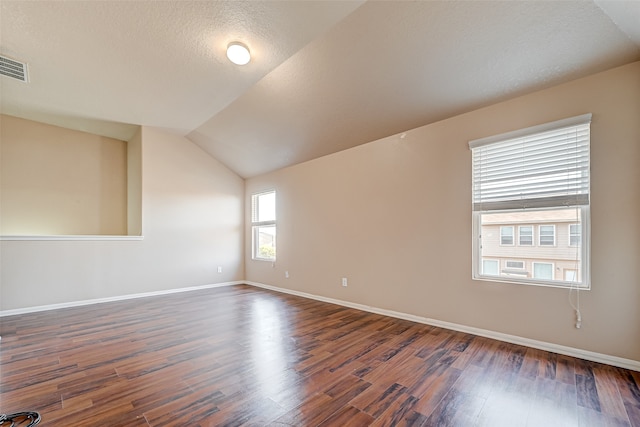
x=579, y=235
x=257, y=225
x=533, y=270
x=520, y=227
x=491, y=260
x=553, y=228
x=506, y=264
x=580, y=202
x=513, y=235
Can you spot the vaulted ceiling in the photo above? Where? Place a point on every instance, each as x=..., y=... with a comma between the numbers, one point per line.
x=324, y=75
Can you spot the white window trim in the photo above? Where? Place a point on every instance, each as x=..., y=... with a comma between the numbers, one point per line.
x=555, y=240
x=255, y=225
x=571, y=121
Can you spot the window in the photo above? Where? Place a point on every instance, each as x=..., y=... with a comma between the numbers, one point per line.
x=263, y=225
x=542, y=270
x=570, y=275
x=547, y=235
x=515, y=264
x=535, y=179
x=506, y=235
x=574, y=234
x=490, y=267
x=525, y=235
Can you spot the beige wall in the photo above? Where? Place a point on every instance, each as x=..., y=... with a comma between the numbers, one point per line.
x=192, y=223
x=58, y=181
x=394, y=217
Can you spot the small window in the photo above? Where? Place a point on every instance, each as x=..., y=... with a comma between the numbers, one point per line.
x=515, y=264
x=525, y=235
x=547, y=235
x=570, y=275
x=506, y=236
x=543, y=271
x=574, y=234
x=263, y=225
x=490, y=267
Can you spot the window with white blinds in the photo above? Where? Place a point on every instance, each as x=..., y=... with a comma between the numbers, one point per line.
x=536, y=181
x=538, y=167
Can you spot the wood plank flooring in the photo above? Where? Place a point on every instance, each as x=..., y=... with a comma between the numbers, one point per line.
x=241, y=355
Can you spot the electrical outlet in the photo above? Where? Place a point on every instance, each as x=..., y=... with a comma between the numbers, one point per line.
x=286, y=274
x=219, y=269
x=344, y=282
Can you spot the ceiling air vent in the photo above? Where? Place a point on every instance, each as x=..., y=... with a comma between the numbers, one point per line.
x=13, y=69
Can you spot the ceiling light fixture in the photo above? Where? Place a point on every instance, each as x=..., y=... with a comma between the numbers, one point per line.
x=238, y=53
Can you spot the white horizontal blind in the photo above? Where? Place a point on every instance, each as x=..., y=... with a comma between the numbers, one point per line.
x=543, y=166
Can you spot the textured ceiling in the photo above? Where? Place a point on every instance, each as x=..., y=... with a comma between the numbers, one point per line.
x=155, y=63
x=324, y=76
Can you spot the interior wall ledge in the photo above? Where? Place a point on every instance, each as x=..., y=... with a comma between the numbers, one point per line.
x=77, y=238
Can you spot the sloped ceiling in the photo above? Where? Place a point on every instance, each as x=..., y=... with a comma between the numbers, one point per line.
x=324, y=75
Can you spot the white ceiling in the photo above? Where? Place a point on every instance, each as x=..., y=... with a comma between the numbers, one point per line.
x=324, y=75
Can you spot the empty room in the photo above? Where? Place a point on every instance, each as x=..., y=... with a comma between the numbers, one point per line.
x=319, y=213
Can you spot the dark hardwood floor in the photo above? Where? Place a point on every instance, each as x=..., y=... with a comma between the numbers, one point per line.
x=246, y=356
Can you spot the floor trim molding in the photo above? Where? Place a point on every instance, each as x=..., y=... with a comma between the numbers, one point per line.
x=513, y=339
x=36, y=309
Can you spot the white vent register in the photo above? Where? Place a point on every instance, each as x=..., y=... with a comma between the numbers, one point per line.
x=14, y=69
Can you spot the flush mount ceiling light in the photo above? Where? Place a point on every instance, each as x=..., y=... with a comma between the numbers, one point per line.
x=238, y=53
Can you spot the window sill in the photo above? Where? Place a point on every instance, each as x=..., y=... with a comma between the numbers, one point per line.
x=71, y=238
x=513, y=281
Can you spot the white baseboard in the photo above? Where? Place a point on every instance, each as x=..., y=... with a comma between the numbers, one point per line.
x=111, y=299
x=541, y=345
